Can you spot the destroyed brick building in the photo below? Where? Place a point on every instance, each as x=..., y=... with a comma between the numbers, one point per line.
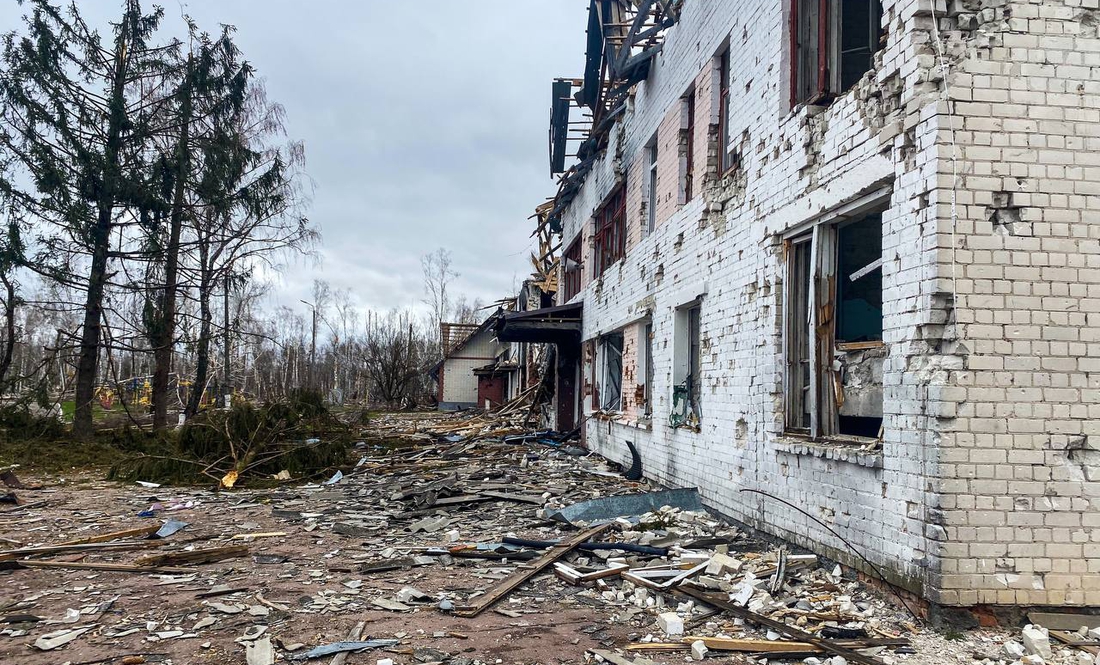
x=846, y=252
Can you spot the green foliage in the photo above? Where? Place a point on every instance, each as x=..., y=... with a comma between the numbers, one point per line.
x=256, y=440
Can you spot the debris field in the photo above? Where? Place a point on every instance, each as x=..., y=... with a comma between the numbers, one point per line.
x=446, y=541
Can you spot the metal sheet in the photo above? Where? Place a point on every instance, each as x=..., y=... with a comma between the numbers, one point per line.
x=628, y=505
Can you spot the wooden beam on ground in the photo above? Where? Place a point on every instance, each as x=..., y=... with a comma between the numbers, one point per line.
x=520, y=577
x=115, y=535
x=106, y=567
x=720, y=601
x=44, y=550
x=194, y=557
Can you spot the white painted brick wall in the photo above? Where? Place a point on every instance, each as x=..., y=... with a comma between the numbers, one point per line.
x=982, y=492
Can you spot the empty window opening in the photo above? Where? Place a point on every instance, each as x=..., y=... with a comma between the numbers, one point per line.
x=833, y=43
x=611, y=392
x=610, y=240
x=726, y=156
x=834, y=351
x=687, y=368
x=651, y=187
x=647, y=359
x=573, y=269
x=689, y=145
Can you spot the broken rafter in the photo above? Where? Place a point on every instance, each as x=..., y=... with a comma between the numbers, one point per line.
x=520, y=578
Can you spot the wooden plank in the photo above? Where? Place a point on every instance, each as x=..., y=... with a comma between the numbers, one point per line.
x=108, y=567
x=194, y=557
x=44, y=550
x=520, y=577
x=353, y=636
x=721, y=602
x=1075, y=641
x=777, y=646
x=115, y=535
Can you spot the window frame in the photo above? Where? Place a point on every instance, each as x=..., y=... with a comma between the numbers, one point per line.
x=609, y=240
x=726, y=161
x=651, y=185
x=647, y=373
x=689, y=147
x=573, y=280
x=810, y=406
x=687, y=352
x=606, y=347
x=821, y=24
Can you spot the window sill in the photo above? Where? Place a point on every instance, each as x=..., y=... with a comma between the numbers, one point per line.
x=844, y=450
x=621, y=418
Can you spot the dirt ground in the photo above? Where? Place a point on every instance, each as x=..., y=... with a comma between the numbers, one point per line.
x=311, y=584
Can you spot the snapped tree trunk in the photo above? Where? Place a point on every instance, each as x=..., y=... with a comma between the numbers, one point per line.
x=166, y=331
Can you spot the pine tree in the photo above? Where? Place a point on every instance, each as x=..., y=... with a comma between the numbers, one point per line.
x=80, y=112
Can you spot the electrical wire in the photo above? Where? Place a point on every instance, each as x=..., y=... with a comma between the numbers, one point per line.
x=842, y=539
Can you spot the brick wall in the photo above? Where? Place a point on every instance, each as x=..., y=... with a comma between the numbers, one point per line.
x=981, y=492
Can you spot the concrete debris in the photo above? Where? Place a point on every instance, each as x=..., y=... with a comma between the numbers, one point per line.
x=415, y=564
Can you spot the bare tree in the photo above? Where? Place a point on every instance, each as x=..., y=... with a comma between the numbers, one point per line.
x=438, y=276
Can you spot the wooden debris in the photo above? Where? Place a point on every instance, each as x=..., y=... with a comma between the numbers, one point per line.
x=519, y=578
x=10, y=555
x=210, y=555
x=106, y=567
x=114, y=535
x=721, y=602
x=353, y=636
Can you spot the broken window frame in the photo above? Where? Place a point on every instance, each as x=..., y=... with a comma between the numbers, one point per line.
x=611, y=372
x=726, y=160
x=811, y=382
x=647, y=374
x=817, y=53
x=689, y=146
x=651, y=186
x=572, y=277
x=687, y=366
x=609, y=242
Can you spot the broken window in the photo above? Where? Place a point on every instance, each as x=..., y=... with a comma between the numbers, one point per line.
x=833, y=328
x=572, y=269
x=859, y=280
x=651, y=186
x=610, y=240
x=687, y=366
x=647, y=358
x=725, y=154
x=689, y=145
x=833, y=43
x=611, y=392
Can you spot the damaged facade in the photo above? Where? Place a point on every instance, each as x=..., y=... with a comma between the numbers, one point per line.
x=848, y=253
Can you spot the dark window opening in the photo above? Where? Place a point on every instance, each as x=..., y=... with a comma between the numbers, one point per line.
x=648, y=360
x=610, y=240
x=833, y=43
x=612, y=389
x=572, y=269
x=861, y=426
x=859, y=280
x=689, y=148
x=725, y=154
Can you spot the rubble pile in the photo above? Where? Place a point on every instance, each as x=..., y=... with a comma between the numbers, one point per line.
x=440, y=547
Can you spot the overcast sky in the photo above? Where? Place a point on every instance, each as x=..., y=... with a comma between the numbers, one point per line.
x=424, y=124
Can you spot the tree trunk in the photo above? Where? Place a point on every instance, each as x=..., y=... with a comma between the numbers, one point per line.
x=88, y=362
x=9, y=321
x=202, y=352
x=225, y=332
x=162, y=353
